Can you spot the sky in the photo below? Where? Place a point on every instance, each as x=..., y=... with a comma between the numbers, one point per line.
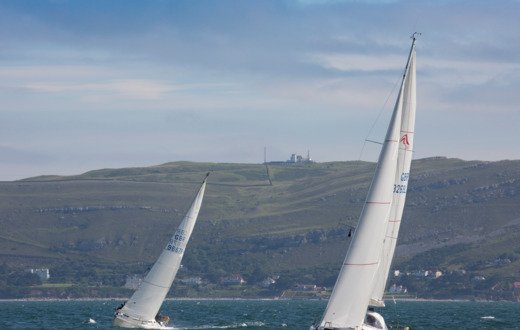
x=97, y=84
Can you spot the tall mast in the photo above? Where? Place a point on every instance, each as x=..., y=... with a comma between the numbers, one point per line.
x=402, y=175
x=355, y=284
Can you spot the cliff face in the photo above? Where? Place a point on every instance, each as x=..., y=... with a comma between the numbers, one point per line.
x=459, y=215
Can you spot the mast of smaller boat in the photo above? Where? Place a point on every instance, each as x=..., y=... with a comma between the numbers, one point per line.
x=142, y=308
x=351, y=295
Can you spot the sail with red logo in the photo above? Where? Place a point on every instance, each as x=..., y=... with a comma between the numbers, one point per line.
x=402, y=175
x=363, y=275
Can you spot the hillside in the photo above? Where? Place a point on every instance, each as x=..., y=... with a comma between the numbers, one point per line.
x=102, y=225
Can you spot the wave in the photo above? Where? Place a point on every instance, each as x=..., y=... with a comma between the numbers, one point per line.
x=238, y=325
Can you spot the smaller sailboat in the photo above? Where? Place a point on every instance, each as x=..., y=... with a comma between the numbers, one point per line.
x=142, y=309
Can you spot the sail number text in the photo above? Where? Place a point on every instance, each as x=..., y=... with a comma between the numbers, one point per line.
x=174, y=248
x=178, y=237
x=399, y=188
x=405, y=176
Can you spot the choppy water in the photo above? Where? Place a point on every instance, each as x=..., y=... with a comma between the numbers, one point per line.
x=258, y=314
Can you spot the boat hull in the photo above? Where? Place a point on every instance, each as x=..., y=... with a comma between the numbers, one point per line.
x=363, y=327
x=124, y=321
x=377, y=323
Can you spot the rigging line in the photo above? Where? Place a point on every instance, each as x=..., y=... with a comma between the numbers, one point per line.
x=376, y=142
x=377, y=118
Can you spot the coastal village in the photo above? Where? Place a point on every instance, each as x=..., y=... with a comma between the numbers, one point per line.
x=234, y=285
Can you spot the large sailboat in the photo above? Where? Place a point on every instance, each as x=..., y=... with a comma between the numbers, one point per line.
x=363, y=275
x=142, y=309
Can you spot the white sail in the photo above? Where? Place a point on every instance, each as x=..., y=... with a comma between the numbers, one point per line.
x=349, y=300
x=347, y=306
x=145, y=303
x=404, y=160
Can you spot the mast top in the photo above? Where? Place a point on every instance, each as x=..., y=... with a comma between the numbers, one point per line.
x=414, y=36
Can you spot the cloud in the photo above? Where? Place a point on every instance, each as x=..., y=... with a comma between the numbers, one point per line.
x=357, y=62
x=129, y=88
x=329, y=2
x=230, y=76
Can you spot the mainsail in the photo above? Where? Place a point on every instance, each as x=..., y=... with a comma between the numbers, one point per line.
x=147, y=300
x=359, y=273
x=404, y=160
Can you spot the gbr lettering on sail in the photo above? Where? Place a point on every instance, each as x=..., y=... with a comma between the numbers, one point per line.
x=403, y=185
x=175, y=241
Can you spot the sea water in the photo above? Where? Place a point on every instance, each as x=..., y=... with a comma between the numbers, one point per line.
x=258, y=314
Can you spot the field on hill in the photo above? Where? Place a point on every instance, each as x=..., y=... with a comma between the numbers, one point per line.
x=461, y=218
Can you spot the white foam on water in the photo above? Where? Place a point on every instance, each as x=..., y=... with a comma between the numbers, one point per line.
x=228, y=326
x=488, y=317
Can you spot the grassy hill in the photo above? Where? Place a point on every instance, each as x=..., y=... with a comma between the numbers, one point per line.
x=104, y=224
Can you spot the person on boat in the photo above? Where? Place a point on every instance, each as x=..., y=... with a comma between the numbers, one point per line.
x=162, y=319
x=370, y=320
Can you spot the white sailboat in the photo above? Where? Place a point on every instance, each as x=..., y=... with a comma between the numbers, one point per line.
x=141, y=310
x=362, y=278
x=404, y=161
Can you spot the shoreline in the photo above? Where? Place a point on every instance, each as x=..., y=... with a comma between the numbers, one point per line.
x=234, y=299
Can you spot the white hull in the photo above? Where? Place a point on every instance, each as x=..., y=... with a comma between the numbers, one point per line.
x=377, y=322
x=124, y=321
x=364, y=327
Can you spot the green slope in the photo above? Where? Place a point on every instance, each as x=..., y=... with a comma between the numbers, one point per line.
x=459, y=215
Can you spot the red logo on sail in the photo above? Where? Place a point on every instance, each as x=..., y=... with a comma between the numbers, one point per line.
x=404, y=140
